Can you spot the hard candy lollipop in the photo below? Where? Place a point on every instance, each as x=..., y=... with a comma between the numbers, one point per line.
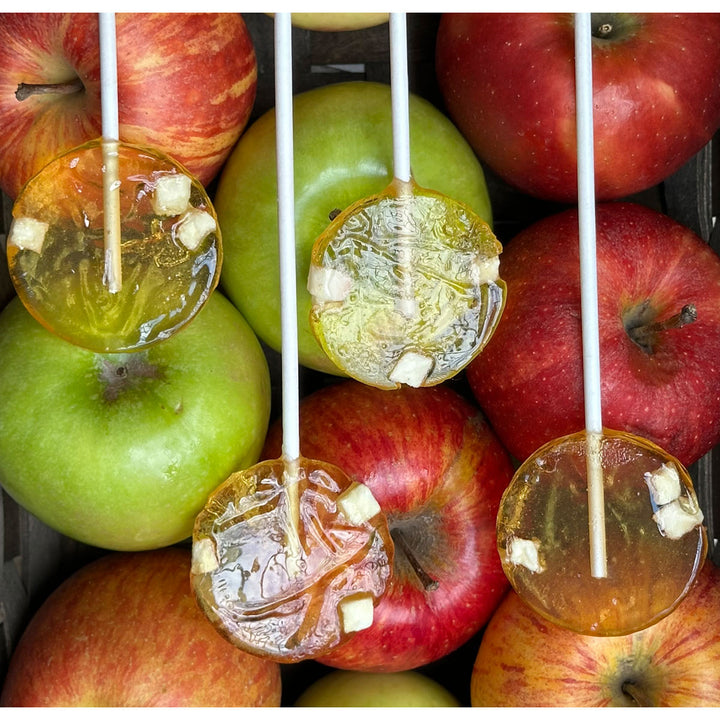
x=405, y=283
x=170, y=250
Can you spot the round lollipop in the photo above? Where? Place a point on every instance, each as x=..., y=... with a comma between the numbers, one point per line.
x=600, y=531
x=405, y=283
x=290, y=556
x=113, y=246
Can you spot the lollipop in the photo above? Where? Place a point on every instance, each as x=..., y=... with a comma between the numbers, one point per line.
x=113, y=246
x=405, y=283
x=600, y=531
x=290, y=556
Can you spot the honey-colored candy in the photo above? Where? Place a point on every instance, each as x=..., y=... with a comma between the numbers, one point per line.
x=654, y=537
x=290, y=558
x=405, y=287
x=170, y=249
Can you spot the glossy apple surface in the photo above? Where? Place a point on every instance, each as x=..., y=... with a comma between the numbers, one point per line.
x=342, y=153
x=659, y=384
x=124, y=631
x=186, y=86
x=337, y=22
x=526, y=661
x=508, y=80
x=120, y=451
x=349, y=688
x=438, y=473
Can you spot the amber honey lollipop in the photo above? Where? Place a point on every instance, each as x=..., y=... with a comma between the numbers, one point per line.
x=404, y=284
x=599, y=531
x=290, y=556
x=113, y=246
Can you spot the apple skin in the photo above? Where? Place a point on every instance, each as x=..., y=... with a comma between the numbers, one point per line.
x=529, y=378
x=124, y=631
x=508, y=80
x=338, y=22
x=343, y=152
x=527, y=661
x=438, y=473
x=349, y=688
x=186, y=86
x=125, y=461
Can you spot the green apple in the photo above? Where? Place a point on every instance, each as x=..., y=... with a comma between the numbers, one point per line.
x=343, y=152
x=351, y=688
x=121, y=451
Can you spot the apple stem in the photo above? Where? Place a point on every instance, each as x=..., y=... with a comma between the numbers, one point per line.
x=429, y=584
x=644, y=335
x=26, y=90
x=635, y=694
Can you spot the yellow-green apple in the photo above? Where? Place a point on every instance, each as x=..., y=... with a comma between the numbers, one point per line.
x=437, y=472
x=343, y=151
x=659, y=326
x=338, y=22
x=351, y=688
x=121, y=450
x=527, y=661
x=186, y=86
x=124, y=631
x=508, y=81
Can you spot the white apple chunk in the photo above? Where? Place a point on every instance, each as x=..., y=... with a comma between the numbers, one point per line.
x=411, y=369
x=171, y=195
x=678, y=518
x=664, y=484
x=356, y=612
x=358, y=504
x=28, y=233
x=204, y=557
x=194, y=226
x=485, y=270
x=523, y=552
x=328, y=285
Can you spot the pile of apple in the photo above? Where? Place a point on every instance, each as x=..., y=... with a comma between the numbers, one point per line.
x=121, y=451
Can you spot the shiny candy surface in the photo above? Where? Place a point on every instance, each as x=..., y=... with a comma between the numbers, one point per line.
x=405, y=287
x=289, y=558
x=655, y=540
x=170, y=251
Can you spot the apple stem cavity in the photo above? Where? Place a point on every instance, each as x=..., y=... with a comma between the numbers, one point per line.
x=635, y=694
x=645, y=334
x=429, y=584
x=26, y=90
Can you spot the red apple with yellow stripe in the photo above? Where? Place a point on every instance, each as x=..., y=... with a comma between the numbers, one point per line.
x=186, y=86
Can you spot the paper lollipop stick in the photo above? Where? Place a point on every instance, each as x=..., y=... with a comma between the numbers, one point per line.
x=110, y=139
x=588, y=292
x=399, y=94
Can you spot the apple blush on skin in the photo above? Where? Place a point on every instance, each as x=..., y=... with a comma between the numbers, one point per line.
x=169, y=243
x=653, y=528
x=289, y=558
x=405, y=287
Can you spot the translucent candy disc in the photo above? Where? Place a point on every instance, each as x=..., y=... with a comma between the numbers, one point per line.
x=289, y=559
x=170, y=249
x=655, y=540
x=405, y=287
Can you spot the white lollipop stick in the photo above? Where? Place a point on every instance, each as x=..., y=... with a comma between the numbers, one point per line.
x=589, y=293
x=288, y=291
x=400, y=94
x=110, y=139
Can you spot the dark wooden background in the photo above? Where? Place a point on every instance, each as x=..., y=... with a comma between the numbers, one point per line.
x=35, y=559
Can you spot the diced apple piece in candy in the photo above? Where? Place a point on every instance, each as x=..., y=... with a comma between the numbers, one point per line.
x=411, y=369
x=664, y=484
x=486, y=270
x=172, y=194
x=28, y=233
x=524, y=552
x=356, y=612
x=194, y=227
x=204, y=558
x=678, y=518
x=328, y=284
x=358, y=504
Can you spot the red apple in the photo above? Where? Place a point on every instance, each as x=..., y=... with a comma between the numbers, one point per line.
x=438, y=473
x=125, y=631
x=508, y=82
x=526, y=661
x=186, y=86
x=662, y=384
